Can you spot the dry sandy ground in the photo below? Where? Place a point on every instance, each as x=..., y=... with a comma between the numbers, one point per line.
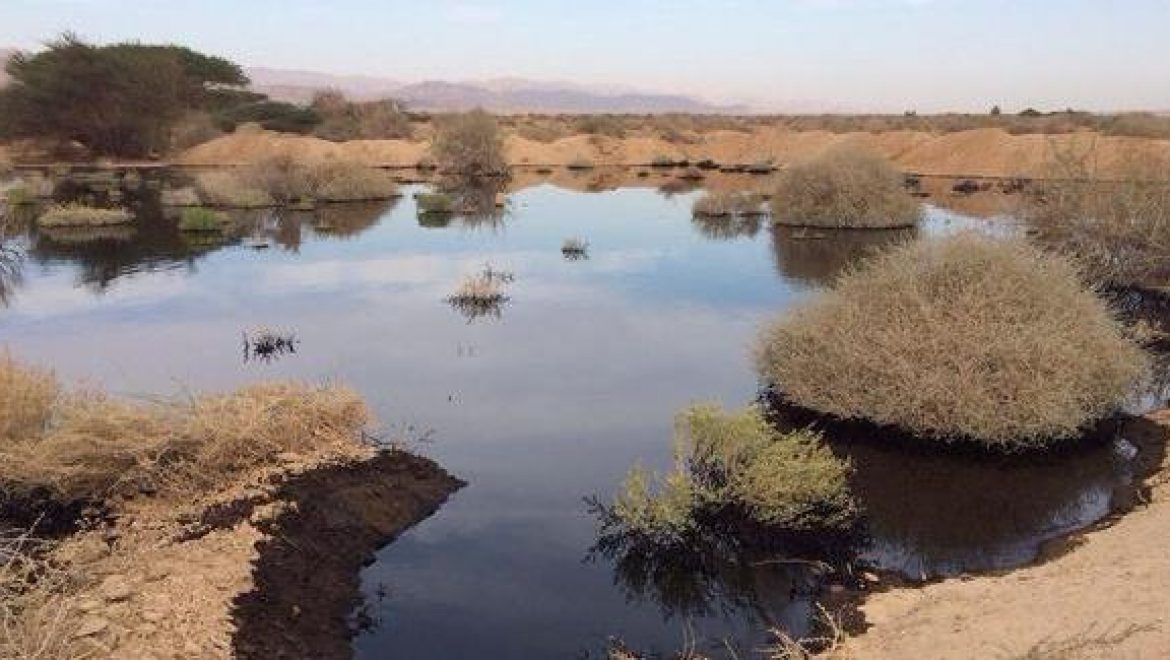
x=983, y=152
x=1108, y=598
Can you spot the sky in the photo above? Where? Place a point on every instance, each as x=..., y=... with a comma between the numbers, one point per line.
x=794, y=55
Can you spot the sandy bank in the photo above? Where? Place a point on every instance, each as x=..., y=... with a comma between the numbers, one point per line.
x=219, y=577
x=1108, y=596
x=985, y=152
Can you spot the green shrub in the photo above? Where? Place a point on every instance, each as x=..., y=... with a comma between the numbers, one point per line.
x=435, y=203
x=271, y=115
x=200, y=219
x=75, y=214
x=469, y=144
x=787, y=481
x=966, y=337
x=843, y=188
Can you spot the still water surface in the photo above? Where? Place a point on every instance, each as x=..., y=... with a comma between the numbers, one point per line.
x=576, y=380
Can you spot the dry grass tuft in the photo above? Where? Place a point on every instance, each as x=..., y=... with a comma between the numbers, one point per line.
x=75, y=214
x=347, y=181
x=85, y=445
x=37, y=611
x=728, y=204
x=830, y=644
x=844, y=188
x=1117, y=228
x=963, y=337
x=230, y=190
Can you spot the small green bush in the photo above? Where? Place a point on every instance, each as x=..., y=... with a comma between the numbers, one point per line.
x=435, y=203
x=787, y=481
x=79, y=215
x=844, y=188
x=200, y=219
x=965, y=337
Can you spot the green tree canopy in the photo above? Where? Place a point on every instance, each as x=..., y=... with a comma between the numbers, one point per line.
x=116, y=100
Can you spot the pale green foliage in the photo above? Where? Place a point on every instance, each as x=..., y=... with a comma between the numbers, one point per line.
x=663, y=514
x=787, y=480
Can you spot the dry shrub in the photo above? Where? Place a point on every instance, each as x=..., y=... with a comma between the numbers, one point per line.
x=27, y=397
x=469, y=144
x=1138, y=124
x=342, y=119
x=1117, y=225
x=728, y=204
x=6, y=166
x=38, y=618
x=85, y=445
x=76, y=214
x=348, y=181
x=542, y=130
x=844, y=188
x=229, y=189
x=963, y=337
x=283, y=177
x=607, y=125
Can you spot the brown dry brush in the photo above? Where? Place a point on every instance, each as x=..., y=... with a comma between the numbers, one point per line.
x=469, y=144
x=1115, y=222
x=38, y=617
x=970, y=337
x=844, y=188
x=87, y=446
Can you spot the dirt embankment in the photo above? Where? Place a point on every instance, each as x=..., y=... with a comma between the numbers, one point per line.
x=984, y=152
x=1106, y=596
x=265, y=569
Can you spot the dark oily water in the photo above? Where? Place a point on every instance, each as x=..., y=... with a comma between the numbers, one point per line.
x=547, y=400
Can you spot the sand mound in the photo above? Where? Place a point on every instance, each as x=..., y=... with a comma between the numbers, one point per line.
x=982, y=152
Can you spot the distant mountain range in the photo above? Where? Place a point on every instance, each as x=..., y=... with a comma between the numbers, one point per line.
x=498, y=95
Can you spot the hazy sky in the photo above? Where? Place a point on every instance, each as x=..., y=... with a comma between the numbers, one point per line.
x=804, y=54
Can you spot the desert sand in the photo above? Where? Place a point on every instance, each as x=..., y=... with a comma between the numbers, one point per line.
x=985, y=152
x=1109, y=597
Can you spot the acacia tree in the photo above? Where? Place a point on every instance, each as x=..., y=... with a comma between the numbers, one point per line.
x=115, y=100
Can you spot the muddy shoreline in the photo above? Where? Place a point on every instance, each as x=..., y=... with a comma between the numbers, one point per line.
x=306, y=580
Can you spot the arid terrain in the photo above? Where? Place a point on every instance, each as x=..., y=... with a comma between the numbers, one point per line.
x=985, y=152
x=1106, y=596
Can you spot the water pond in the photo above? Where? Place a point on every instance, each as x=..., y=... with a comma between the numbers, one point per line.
x=538, y=405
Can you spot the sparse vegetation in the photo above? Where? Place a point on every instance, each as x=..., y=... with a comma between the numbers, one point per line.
x=966, y=337
x=843, y=188
x=469, y=144
x=580, y=163
x=481, y=295
x=199, y=219
x=1117, y=226
x=29, y=190
x=76, y=214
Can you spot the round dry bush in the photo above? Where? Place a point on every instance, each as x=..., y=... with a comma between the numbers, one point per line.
x=844, y=188
x=966, y=337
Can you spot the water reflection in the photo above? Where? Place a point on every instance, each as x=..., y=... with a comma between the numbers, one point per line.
x=351, y=219
x=728, y=228
x=818, y=256
x=944, y=511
